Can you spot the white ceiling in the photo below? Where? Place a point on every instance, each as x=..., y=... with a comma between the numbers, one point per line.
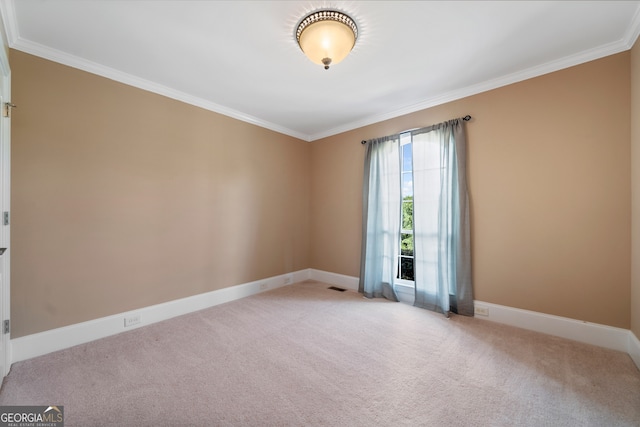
x=240, y=58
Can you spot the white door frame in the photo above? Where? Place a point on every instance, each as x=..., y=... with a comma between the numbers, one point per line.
x=5, y=203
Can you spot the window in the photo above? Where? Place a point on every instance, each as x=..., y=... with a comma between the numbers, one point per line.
x=405, y=259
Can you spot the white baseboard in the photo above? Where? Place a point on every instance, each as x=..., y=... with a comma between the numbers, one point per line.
x=57, y=339
x=347, y=282
x=45, y=342
x=586, y=332
x=634, y=348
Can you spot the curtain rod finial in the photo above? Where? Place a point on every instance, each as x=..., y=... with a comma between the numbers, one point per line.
x=466, y=118
x=363, y=142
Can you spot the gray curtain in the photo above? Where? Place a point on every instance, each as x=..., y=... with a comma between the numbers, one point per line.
x=380, y=218
x=441, y=219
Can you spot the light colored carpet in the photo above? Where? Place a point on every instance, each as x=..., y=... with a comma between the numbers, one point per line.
x=305, y=355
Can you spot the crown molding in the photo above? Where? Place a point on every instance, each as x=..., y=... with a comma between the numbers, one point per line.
x=16, y=42
x=131, y=80
x=633, y=31
x=119, y=76
x=550, y=67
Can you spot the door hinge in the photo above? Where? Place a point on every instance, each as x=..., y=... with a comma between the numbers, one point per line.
x=6, y=109
x=5, y=218
x=7, y=326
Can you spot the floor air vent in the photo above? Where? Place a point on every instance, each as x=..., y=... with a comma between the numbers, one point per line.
x=333, y=288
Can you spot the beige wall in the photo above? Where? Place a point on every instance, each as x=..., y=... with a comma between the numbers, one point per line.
x=122, y=198
x=549, y=177
x=635, y=188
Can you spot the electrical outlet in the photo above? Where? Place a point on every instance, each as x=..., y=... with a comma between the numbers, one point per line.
x=134, y=319
x=481, y=310
x=264, y=286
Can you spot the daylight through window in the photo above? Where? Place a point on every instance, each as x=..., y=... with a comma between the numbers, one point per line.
x=405, y=261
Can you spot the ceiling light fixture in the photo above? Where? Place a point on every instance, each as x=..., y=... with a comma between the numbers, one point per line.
x=326, y=36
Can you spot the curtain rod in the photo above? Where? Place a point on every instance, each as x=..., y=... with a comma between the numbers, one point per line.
x=465, y=118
